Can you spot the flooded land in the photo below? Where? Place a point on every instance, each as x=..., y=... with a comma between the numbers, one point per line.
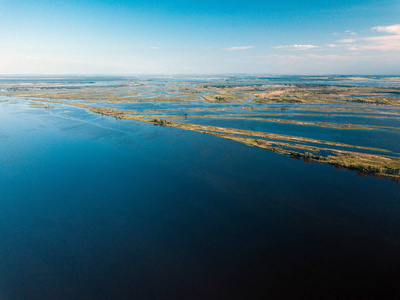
x=346, y=121
x=200, y=187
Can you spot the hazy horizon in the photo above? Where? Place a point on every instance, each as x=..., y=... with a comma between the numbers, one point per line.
x=3, y=76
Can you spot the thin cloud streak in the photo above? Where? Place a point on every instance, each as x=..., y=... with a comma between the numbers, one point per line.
x=380, y=43
x=346, y=41
x=239, y=48
x=351, y=32
x=296, y=47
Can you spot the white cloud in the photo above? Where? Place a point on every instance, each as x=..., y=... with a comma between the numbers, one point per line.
x=387, y=41
x=238, y=48
x=351, y=32
x=347, y=41
x=389, y=29
x=380, y=43
x=325, y=57
x=154, y=48
x=349, y=57
x=296, y=47
x=279, y=56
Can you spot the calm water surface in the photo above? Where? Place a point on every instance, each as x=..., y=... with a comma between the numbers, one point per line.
x=95, y=208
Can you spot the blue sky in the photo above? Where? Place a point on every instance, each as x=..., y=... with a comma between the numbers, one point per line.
x=199, y=37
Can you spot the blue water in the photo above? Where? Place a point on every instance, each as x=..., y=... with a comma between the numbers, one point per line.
x=367, y=138
x=97, y=208
x=374, y=95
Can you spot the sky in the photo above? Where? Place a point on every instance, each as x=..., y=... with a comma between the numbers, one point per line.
x=199, y=37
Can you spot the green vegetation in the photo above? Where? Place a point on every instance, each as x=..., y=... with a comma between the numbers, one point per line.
x=226, y=96
x=383, y=166
x=41, y=105
x=161, y=122
x=318, y=124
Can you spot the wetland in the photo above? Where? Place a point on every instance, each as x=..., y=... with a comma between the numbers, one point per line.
x=207, y=187
x=238, y=108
